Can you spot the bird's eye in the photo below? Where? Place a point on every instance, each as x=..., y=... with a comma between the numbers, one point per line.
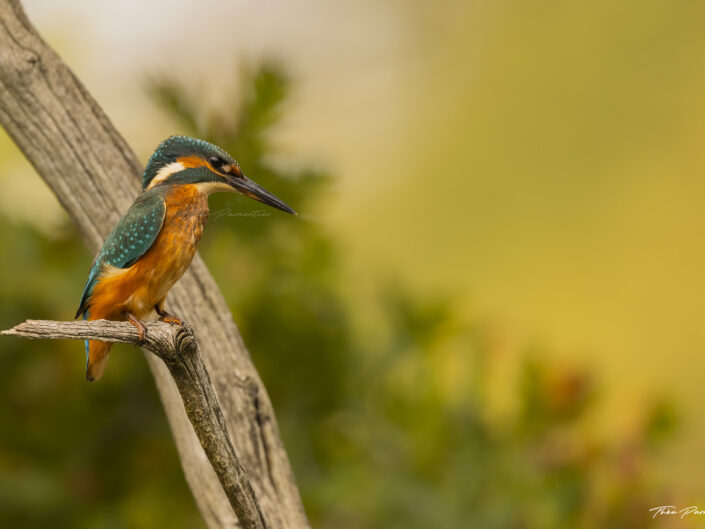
x=216, y=161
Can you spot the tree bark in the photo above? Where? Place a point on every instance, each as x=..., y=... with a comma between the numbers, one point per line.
x=95, y=175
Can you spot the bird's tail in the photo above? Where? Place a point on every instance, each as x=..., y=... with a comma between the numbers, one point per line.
x=97, y=358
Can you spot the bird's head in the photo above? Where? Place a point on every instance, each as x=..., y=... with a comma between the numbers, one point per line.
x=181, y=160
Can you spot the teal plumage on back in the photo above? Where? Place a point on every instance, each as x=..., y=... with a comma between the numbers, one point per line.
x=129, y=240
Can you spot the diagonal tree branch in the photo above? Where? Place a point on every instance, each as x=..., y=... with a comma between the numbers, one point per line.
x=178, y=349
x=75, y=148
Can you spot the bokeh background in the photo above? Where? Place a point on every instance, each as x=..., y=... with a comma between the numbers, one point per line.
x=487, y=315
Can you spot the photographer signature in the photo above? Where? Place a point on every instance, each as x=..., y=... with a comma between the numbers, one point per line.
x=671, y=510
x=215, y=215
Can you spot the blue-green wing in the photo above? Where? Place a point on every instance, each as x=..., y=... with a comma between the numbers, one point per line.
x=129, y=240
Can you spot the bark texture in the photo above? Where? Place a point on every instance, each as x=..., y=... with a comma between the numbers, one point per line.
x=95, y=175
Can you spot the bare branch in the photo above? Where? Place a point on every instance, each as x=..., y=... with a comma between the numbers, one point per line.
x=103, y=330
x=178, y=349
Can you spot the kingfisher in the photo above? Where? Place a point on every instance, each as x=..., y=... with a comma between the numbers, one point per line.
x=153, y=244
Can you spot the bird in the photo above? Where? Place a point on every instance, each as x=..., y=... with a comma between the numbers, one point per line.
x=153, y=244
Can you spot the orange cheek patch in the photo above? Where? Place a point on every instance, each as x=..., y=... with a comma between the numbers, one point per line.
x=196, y=161
x=193, y=161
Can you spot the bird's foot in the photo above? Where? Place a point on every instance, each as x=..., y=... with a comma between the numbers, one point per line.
x=165, y=316
x=141, y=329
x=171, y=319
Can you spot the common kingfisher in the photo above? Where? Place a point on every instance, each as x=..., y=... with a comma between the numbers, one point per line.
x=153, y=244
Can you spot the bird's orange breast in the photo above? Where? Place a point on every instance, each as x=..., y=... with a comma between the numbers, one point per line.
x=139, y=288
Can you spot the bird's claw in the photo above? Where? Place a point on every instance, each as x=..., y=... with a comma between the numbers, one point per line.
x=168, y=318
x=141, y=329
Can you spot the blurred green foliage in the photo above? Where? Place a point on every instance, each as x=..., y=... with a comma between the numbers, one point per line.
x=395, y=432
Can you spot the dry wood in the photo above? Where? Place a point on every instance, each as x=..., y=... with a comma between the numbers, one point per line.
x=75, y=148
x=178, y=349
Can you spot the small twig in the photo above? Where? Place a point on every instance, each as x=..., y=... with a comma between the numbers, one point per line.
x=177, y=347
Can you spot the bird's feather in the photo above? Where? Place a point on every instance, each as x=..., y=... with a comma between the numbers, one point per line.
x=129, y=240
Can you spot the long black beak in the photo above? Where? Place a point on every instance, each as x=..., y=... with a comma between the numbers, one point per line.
x=247, y=187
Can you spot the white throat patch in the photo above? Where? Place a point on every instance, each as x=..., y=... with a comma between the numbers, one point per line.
x=213, y=187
